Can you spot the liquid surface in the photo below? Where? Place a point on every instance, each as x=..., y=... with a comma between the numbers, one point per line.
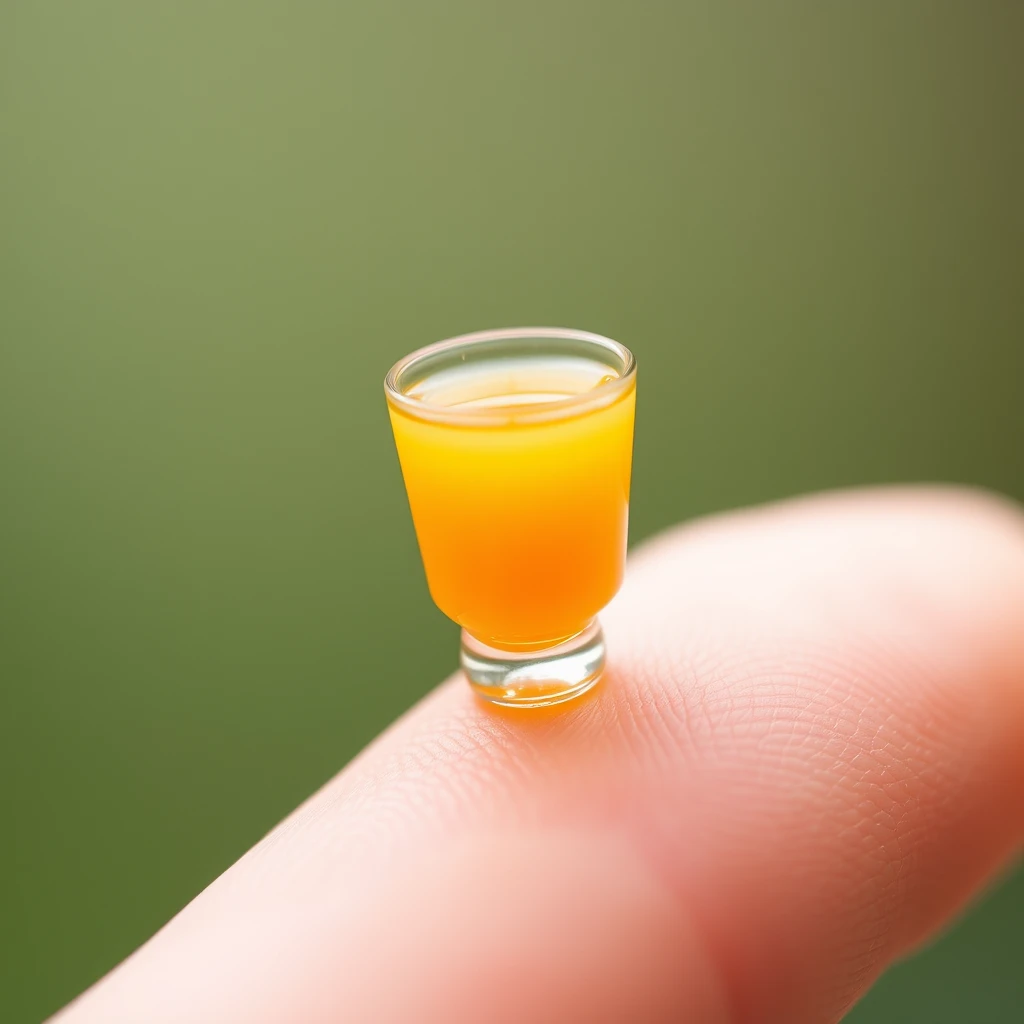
x=521, y=525
x=509, y=383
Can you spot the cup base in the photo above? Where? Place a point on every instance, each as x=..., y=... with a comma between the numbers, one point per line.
x=535, y=679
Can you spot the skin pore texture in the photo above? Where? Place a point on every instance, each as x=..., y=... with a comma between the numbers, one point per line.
x=806, y=756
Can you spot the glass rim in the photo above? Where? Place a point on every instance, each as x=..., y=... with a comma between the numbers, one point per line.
x=603, y=394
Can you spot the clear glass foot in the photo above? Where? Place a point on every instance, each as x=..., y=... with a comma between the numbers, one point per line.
x=535, y=679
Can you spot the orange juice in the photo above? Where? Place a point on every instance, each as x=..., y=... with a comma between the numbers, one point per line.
x=517, y=472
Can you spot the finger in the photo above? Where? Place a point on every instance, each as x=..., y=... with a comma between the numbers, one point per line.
x=808, y=752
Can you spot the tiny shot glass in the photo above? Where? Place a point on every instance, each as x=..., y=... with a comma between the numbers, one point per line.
x=516, y=449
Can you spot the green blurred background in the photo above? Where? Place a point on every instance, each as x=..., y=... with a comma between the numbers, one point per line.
x=221, y=222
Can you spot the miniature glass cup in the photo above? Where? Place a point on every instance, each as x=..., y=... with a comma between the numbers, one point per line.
x=516, y=448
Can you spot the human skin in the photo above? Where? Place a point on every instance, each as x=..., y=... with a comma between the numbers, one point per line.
x=807, y=754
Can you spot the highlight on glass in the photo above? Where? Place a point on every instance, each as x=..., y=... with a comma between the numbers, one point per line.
x=516, y=449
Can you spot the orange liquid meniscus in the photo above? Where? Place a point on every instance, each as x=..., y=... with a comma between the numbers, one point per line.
x=521, y=519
